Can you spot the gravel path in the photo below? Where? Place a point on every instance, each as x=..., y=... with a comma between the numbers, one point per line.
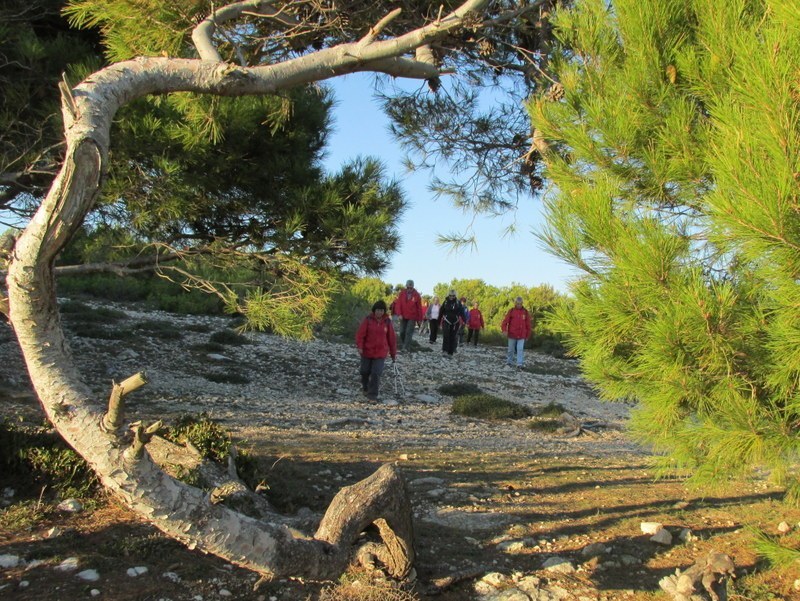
x=303, y=388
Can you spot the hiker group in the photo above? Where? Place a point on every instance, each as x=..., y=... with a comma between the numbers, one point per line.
x=376, y=338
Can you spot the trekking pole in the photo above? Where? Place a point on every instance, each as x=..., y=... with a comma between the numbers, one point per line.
x=398, y=380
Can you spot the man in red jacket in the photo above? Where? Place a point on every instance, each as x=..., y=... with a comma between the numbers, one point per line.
x=517, y=325
x=375, y=339
x=408, y=306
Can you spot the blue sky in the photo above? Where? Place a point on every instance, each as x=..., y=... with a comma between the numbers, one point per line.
x=361, y=128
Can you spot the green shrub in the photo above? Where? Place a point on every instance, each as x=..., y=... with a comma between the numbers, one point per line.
x=78, y=311
x=208, y=347
x=487, y=406
x=95, y=330
x=459, y=389
x=550, y=410
x=229, y=337
x=106, y=286
x=545, y=424
x=23, y=515
x=155, y=328
x=207, y=436
x=40, y=457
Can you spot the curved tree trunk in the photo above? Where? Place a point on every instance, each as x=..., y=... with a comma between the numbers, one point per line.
x=267, y=546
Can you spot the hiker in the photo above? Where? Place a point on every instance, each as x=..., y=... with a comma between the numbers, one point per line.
x=408, y=306
x=451, y=316
x=474, y=323
x=423, y=324
x=464, y=319
x=432, y=315
x=517, y=325
x=375, y=339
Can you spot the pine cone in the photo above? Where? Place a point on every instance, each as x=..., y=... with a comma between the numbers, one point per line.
x=555, y=93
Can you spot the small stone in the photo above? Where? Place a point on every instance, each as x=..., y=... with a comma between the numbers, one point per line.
x=69, y=564
x=70, y=506
x=687, y=536
x=8, y=492
x=593, y=550
x=495, y=579
x=223, y=592
x=651, y=527
x=558, y=564
x=9, y=561
x=217, y=357
x=629, y=560
x=94, y=592
x=137, y=571
x=403, y=457
x=430, y=480
x=662, y=537
x=796, y=585
x=784, y=528
x=88, y=575
x=171, y=576
x=54, y=532
x=511, y=546
x=24, y=583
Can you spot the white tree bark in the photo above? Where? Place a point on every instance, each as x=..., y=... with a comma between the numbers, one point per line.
x=181, y=511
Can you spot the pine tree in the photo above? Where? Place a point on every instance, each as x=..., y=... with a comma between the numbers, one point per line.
x=672, y=145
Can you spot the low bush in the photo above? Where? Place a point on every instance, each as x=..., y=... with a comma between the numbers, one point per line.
x=487, y=406
x=459, y=389
x=228, y=337
x=37, y=456
x=207, y=436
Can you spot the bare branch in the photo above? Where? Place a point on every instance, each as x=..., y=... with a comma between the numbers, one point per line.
x=203, y=33
x=375, y=31
x=113, y=418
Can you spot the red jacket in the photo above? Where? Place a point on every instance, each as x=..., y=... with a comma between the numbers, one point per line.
x=517, y=323
x=475, y=319
x=408, y=305
x=376, y=339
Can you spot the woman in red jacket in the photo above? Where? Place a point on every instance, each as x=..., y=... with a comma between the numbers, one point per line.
x=475, y=323
x=375, y=339
x=517, y=325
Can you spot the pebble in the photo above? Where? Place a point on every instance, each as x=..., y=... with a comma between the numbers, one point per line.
x=662, y=537
x=70, y=506
x=558, y=564
x=88, y=575
x=9, y=561
x=137, y=571
x=651, y=527
x=69, y=564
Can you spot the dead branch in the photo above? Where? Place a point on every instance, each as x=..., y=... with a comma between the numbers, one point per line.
x=112, y=420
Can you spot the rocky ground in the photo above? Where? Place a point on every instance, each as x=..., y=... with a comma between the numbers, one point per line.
x=502, y=511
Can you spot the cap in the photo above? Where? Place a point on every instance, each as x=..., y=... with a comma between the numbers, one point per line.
x=409, y=283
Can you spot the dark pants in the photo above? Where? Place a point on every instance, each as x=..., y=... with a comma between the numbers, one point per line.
x=471, y=333
x=407, y=332
x=371, y=370
x=449, y=337
x=434, y=329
